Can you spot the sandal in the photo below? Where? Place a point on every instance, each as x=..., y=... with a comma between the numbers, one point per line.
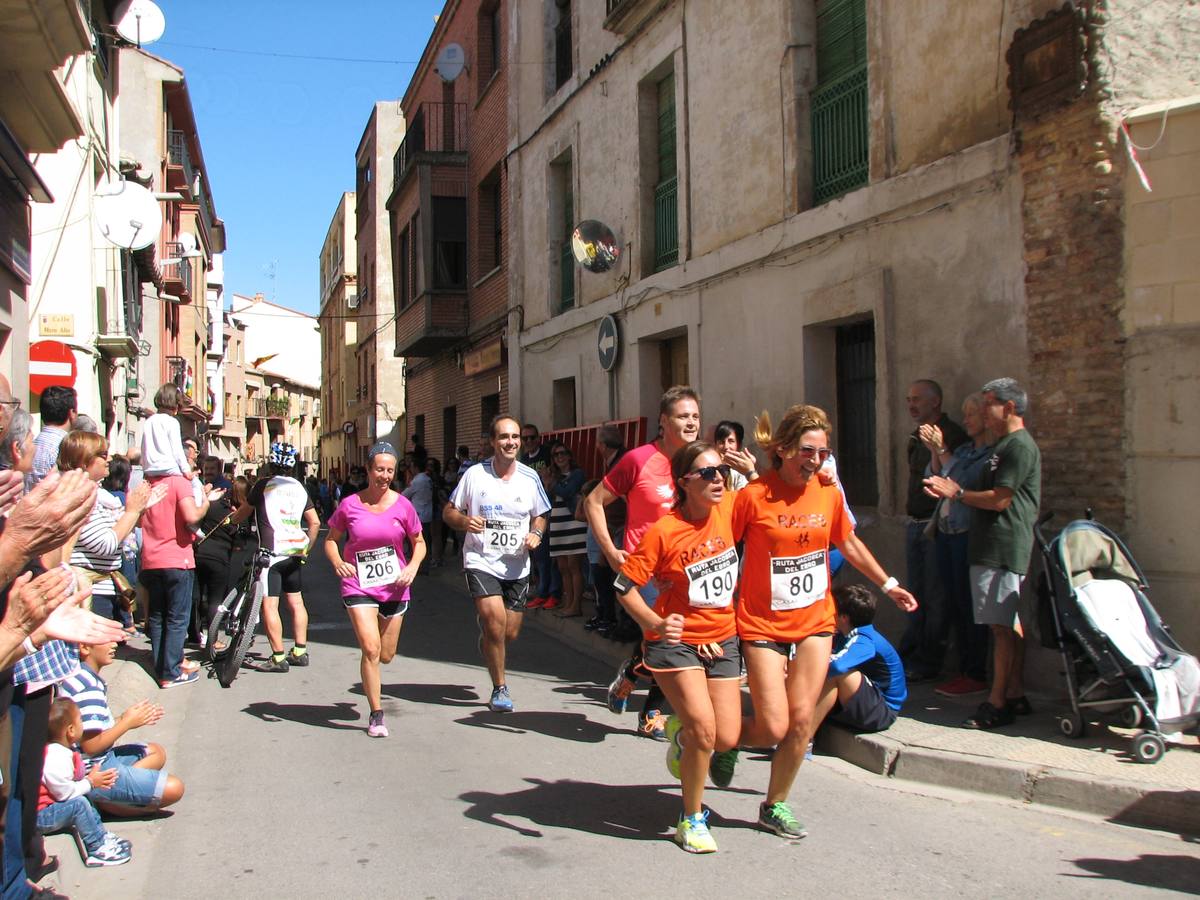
x=988, y=717
x=1019, y=706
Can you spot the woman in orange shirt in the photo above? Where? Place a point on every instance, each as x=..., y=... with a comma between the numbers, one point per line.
x=690, y=635
x=788, y=519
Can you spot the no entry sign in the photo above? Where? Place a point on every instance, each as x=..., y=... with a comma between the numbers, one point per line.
x=51, y=362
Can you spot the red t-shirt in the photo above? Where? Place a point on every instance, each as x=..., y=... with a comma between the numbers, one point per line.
x=643, y=477
x=785, y=593
x=695, y=564
x=166, y=538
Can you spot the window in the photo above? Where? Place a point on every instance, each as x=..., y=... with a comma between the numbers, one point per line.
x=489, y=408
x=564, y=403
x=855, y=362
x=666, y=204
x=488, y=37
x=402, y=261
x=419, y=426
x=563, y=64
x=562, y=223
x=449, y=242
x=839, y=101
x=449, y=431
x=490, y=241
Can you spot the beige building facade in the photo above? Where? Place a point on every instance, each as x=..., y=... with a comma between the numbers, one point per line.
x=339, y=339
x=830, y=231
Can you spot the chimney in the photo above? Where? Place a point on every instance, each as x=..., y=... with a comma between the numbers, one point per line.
x=258, y=298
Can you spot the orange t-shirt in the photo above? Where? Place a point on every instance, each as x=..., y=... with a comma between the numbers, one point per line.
x=696, y=564
x=785, y=592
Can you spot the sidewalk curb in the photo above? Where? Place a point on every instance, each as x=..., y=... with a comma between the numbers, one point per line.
x=1121, y=801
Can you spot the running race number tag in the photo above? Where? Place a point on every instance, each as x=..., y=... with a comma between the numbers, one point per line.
x=377, y=567
x=711, y=581
x=798, y=581
x=503, y=537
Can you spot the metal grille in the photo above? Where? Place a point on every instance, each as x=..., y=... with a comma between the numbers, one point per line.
x=839, y=116
x=566, y=258
x=666, y=225
x=855, y=355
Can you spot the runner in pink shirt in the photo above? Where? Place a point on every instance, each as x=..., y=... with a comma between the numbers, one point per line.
x=375, y=574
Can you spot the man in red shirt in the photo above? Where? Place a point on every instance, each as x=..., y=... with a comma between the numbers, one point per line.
x=643, y=478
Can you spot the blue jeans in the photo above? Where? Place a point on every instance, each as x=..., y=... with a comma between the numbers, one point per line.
x=972, y=639
x=923, y=644
x=549, y=583
x=170, y=609
x=77, y=813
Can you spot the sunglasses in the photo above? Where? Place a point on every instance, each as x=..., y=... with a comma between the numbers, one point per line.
x=819, y=452
x=710, y=473
x=561, y=453
x=15, y=404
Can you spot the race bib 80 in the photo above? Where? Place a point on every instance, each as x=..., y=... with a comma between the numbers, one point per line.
x=711, y=581
x=798, y=581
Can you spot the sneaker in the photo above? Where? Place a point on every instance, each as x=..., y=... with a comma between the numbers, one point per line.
x=692, y=834
x=808, y=752
x=961, y=686
x=376, y=728
x=298, y=659
x=778, y=818
x=501, y=701
x=620, y=689
x=110, y=853
x=674, y=747
x=109, y=836
x=536, y=603
x=653, y=723
x=182, y=678
x=551, y=603
x=721, y=766
x=988, y=717
x=274, y=665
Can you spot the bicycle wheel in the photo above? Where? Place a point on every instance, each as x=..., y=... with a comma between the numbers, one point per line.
x=241, y=634
x=218, y=628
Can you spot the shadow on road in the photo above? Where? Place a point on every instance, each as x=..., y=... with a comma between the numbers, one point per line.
x=562, y=725
x=1180, y=873
x=307, y=714
x=440, y=694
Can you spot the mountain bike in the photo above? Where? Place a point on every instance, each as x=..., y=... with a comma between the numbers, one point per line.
x=232, y=630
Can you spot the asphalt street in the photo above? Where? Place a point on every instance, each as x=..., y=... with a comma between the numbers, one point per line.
x=288, y=797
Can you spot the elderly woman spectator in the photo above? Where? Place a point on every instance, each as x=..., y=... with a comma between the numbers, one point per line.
x=952, y=520
x=98, y=546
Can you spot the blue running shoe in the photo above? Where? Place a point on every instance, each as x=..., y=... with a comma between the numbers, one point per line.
x=501, y=701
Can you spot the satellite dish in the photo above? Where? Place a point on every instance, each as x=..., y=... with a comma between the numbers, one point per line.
x=188, y=244
x=127, y=214
x=595, y=246
x=450, y=62
x=139, y=21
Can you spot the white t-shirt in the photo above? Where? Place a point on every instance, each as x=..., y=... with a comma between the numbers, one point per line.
x=420, y=494
x=507, y=506
x=162, y=447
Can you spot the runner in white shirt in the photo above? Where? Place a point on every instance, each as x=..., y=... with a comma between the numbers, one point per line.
x=287, y=525
x=502, y=506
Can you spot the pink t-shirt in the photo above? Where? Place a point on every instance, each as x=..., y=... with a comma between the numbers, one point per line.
x=368, y=531
x=643, y=477
x=166, y=538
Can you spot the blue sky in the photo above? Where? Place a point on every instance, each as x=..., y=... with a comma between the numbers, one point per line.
x=279, y=133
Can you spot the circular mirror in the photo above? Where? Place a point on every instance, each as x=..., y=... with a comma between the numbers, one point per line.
x=595, y=246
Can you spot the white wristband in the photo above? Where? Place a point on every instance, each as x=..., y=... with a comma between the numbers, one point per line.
x=30, y=649
x=889, y=584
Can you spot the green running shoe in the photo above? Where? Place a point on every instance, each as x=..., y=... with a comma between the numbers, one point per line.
x=692, y=834
x=674, y=747
x=721, y=766
x=777, y=817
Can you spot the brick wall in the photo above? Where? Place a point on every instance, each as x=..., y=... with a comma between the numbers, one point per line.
x=437, y=383
x=1072, y=170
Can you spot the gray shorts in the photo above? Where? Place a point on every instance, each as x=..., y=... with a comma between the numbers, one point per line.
x=996, y=594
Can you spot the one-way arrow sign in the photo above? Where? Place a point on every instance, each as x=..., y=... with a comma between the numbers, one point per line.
x=608, y=343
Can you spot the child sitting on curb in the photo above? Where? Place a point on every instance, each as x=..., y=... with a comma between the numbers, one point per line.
x=63, y=799
x=141, y=784
x=866, y=686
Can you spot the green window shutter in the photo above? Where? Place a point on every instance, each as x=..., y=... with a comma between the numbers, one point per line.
x=666, y=200
x=841, y=38
x=840, y=114
x=666, y=128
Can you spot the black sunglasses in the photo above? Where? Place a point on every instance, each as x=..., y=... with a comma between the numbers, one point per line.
x=710, y=473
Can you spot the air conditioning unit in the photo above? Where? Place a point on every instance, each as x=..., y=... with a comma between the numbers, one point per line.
x=352, y=301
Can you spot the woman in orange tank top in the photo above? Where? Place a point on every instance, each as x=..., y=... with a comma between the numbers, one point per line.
x=788, y=519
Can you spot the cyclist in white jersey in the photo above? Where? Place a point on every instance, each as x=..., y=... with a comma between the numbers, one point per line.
x=287, y=525
x=502, y=506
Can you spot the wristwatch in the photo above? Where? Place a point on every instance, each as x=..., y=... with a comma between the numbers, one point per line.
x=958, y=495
x=536, y=531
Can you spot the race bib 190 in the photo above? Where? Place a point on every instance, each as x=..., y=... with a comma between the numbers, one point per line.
x=798, y=581
x=503, y=537
x=377, y=567
x=711, y=581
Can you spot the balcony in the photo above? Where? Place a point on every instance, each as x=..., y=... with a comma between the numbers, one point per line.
x=177, y=274
x=436, y=134
x=179, y=163
x=268, y=407
x=433, y=322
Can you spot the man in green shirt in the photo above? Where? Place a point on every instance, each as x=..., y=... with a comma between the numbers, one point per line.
x=1000, y=542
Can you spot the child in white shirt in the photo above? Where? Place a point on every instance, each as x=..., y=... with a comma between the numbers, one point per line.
x=162, y=439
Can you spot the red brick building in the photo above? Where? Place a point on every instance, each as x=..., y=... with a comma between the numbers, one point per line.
x=448, y=210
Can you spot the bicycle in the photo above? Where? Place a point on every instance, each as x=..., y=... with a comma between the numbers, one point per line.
x=235, y=621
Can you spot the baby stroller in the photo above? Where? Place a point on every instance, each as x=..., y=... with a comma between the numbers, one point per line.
x=1119, y=655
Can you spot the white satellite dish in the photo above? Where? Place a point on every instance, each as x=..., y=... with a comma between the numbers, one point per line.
x=127, y=214
x=450, y=62
x=188, y=244
x=139, y=21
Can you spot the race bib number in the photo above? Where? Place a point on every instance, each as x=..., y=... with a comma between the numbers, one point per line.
x=377, y=567
x=503, y=537
x=798, y=581
x=711, y=581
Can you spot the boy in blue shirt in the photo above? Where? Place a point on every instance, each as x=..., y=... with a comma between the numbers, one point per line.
x=865, y=687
